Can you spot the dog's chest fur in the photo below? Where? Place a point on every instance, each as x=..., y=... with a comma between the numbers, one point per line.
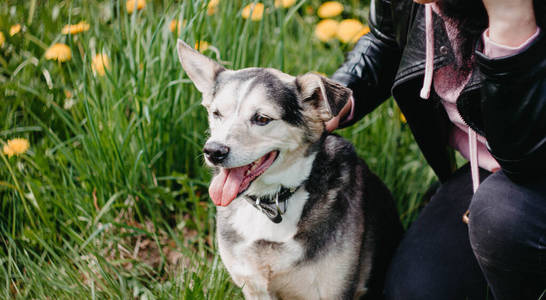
x=266, y=256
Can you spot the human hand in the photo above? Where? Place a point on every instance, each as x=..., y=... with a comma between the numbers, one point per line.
x=511, y=22
x=333, y=123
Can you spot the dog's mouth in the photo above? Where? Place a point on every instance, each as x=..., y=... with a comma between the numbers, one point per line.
x=230, y=183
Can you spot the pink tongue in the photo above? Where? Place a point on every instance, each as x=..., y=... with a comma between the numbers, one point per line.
x=225, y=186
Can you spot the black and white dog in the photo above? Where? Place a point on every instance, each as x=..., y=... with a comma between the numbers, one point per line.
x=299, y=215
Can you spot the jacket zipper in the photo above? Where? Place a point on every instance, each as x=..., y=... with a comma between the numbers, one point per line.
x=466, y=91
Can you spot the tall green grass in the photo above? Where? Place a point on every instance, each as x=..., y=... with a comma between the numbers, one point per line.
x=111, y=201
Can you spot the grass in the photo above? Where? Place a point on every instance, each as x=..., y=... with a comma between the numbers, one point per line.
x=110, y=201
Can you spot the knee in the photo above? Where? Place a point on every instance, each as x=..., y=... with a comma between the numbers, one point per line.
x=500, y=221
x=490, y=216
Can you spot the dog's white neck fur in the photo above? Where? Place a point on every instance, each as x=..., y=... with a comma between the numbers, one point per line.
x=253, y=224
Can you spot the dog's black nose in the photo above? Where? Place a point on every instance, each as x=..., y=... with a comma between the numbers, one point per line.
x=216, y=152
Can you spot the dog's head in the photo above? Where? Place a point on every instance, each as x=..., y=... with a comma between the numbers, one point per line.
x=261, y=121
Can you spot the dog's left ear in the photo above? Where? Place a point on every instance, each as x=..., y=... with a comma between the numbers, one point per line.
x=201, y=69
x=323, y=94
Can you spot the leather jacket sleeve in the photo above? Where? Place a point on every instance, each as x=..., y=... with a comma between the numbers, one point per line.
x=513, y=105
x=369, y=68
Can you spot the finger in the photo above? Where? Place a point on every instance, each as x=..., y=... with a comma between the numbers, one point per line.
x=332, y=124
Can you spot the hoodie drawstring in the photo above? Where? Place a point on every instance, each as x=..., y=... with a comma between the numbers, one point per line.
x=425, y=94
x=429, y=58
x=473, y=149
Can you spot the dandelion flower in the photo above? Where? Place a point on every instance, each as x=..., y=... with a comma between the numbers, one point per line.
x=16, y=146
x=100, y=63
x=76, y=28
x=211, y=7
x=13, y=30
x=359, y=34
x=257, y=10
x=329, y=9
x=201, y=46
x=59, y=51
x=175, y=26
x=2, y=39
x=130, y=5
x=348, y=29
x=403, y=118
x=284, y=3
x=326, y=29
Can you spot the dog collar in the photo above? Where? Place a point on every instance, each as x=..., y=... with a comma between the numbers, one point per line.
x=273, y=206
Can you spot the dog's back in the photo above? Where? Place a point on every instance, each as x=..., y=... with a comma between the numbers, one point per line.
x=360, y=198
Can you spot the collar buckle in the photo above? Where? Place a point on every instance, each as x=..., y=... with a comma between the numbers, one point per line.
x=273, y=210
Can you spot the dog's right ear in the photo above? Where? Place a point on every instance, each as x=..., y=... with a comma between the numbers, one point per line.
x=323, y=94
x=201, y=69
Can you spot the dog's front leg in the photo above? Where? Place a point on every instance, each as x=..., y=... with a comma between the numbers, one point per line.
x=254, y=293
x=255, y=287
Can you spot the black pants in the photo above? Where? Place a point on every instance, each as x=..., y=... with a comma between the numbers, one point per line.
x=503, y=246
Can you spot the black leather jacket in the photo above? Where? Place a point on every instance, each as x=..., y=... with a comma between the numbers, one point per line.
x=505, y=99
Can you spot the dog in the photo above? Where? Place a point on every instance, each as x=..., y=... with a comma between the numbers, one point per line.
x=299, y=215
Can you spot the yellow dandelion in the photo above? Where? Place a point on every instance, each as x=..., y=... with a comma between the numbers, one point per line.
x=175, y=26
x=76, y=28
x=59, y=51
x=13, y=30
x=329, y=9
x=16, y=146
x=100, y=63
x=130, y=5
x=348, y=29
x=201, y=46
x=326, y=29
x=2, y=39
x=257, y=10
x=211, y=7
x=359, y=34
x=284, y=3
x=403, y=118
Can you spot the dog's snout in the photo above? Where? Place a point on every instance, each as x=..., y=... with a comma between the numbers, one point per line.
x=216, y=152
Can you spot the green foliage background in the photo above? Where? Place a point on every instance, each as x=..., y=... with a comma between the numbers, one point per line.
x=111, y=201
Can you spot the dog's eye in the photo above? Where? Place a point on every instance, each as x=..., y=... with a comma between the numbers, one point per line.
x=261, y=119
x=217, y=114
